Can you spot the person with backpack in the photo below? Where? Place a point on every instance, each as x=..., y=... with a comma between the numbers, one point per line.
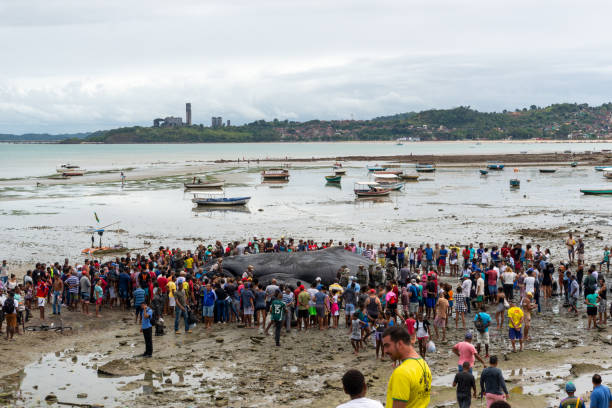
x=482, y=321
x=9, y=309
x=571, y=401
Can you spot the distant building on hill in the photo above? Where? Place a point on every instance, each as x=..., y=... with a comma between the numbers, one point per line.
x=188, y=113
x=217, y=121
x=168, y=121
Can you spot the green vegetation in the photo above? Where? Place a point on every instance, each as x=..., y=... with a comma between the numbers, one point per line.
x=558, y=121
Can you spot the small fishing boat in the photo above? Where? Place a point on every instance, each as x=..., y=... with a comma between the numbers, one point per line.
x=495, y=166
x=425, y=168
x=390, y=181
x=601, y=168
x=339, y=172
x=409, y=177
x=547, y=170
x=333, y=179
x=67, y=167
x=483, y=172
x=393, y=172
x=515, y=183
x=275, y=174
x=605, y=191
x=376, y=168
x=210, y=199
x=567, y=151
x=574, y=164
x=204, y=185
x=75, y=172
x=608, y=173
x=364, y=189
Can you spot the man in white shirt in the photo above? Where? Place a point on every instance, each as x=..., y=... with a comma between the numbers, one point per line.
x=355, y=386
x=466, y=288
x=508, y=278
x=530, y=282
x=480, y=290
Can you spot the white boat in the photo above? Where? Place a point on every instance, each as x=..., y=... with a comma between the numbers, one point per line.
x=390, y=181
x=212, y=199
x=204, y=184
x=370, y=189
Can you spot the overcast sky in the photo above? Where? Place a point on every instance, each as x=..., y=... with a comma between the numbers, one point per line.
x=74, y=65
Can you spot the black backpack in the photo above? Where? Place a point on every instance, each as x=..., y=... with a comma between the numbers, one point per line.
x=9, y=306
x=479, y=324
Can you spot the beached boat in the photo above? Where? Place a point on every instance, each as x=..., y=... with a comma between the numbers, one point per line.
x=608, y=173
x=547, y=170
x=339, y=172
x=425, y=168
x=605, y=191
x=393, y=172
x=74, y=172
x=390, y=181
x=275, y=174
x=484, y=172
x=514, y=183
x=376, y=168
x=204, y=185
x=409, y=177
x=67, y=167
x=370, y=189
x=495, y=166
x=333, y=179
x=602, y=168
x=574, y=164
x=219, y=201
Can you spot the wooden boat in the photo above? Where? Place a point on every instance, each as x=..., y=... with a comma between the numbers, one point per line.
x=220, y=201
x=608, y=173
x=370, y=189
x=409, y=177
x=204, y=185
x=339, y=172
x=425, y=168
x=75, y=172
x=275, y=174
x=574, y=164
x=376, y=168
x=547, y=170
x=390, y=181
x=333, y=179
x=604, y=191
x=495, y=166
x=394, y=172
x=484, y=172
x=515, y=183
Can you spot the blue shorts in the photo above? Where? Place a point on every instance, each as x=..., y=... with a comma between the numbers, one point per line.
x=85, y=296
x=461, y=368
x=208, y=311
x=349, y=308
x=515, y=334
x=492, y=289
x=430, y=302
x=123, y=293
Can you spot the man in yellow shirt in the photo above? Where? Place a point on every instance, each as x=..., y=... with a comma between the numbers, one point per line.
x=515, y=324
x=410, y=383
x=171, y=286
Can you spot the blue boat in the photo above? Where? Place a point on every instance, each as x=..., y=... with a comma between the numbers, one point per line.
x=376, y=168
x=484, y=172
x=425, y=168
x=222, y=201
x=515, y=183
x=602, y=168
x=495, y=166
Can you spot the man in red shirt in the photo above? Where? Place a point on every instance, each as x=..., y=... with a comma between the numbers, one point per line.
x=41, y=295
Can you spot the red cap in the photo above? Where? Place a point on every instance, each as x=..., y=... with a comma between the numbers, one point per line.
x=302, y=287
x=372, y=291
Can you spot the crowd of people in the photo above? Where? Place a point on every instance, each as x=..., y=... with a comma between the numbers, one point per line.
x=408, y=299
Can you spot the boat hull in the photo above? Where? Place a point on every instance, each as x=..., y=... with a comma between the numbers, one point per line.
x=484, y=172
x=495, y=167
x=425, y=169
x=547, y=170
x=196, y=186
x=221, y=202
x=379, y=193
x=333, y=179
x=597, y=192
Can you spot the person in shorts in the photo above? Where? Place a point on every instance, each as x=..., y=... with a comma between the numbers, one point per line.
x=482, y=333
x=441, y=314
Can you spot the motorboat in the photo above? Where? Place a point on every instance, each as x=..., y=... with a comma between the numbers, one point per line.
x=370, y=189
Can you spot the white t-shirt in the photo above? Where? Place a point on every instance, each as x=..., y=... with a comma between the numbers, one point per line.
x=480, y=287
x=485, y=258
x=361, y=403
x=508, y=278
x=529, y=284
x=466, y=287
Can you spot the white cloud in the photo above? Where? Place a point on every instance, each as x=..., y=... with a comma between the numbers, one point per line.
x=77, y=66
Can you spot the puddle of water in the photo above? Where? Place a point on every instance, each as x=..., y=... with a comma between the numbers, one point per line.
x=66, y=375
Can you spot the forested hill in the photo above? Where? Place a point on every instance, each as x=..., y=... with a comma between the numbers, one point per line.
x=559, y=121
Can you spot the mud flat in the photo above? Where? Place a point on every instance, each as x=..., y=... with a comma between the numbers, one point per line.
x=96, y=364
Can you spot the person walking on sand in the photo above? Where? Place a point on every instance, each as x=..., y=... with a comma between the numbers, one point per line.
x=603, y=302
x=465, y=382
x=98, y=296
x=355, y=332
x=492, y=384
x=353, y=383
x=460, y=307
x=571, y=401
x=441, y=315
x=9, y=310
x=410, y=383
x=277, y=311
x=467, y=352
x=147, y=329
x=527, y=307
x=569, y=243
x=592, y=303
x=180, y=309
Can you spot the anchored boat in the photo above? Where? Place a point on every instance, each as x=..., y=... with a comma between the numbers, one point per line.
x=425, y=168
x=495, y=166
x=605, y=191
x=390, y=181
x=484, y=172
x=275, y=174
x=515, y=183
x=547, y=170
x=215, y=200
x=333, y=179
x=370, y=189
x=204, y=185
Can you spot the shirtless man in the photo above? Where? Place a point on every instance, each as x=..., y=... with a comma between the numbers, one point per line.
x=527, y=306
x=569, y=243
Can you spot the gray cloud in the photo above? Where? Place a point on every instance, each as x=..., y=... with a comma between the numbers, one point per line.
x=77, y=66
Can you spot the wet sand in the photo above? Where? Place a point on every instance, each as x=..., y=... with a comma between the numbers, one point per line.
x=238, y=367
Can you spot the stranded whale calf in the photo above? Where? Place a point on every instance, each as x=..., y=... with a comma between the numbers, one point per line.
x=289, y=267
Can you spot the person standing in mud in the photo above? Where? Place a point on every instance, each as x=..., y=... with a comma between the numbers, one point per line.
x=569, y=243
x=492, y=384
x=147, y=329
x=571, y=401
x=600, y=396
x=515, y=324
x=527, y=307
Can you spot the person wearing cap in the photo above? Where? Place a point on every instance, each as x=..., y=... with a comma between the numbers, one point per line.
x=571, y=401
x=467, y=352
x=527, y=307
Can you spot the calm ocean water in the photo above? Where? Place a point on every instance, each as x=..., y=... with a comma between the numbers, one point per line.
x=30, y=160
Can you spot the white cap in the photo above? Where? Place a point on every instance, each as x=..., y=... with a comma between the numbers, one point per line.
x=318, y=279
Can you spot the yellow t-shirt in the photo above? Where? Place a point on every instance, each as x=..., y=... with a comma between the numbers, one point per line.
x=171, y=288
x=515, y=314
x=410, y=383
x=189, y=263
